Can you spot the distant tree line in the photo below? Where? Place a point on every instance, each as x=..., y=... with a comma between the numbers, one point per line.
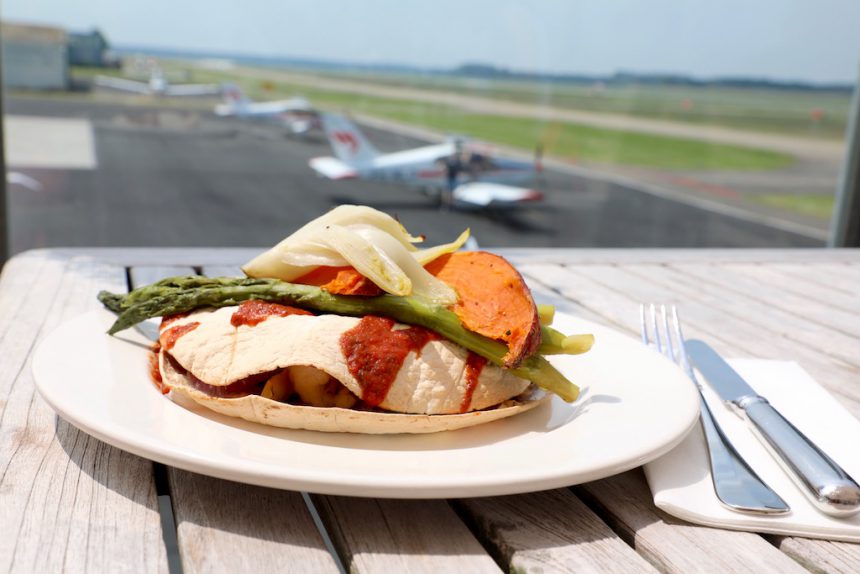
x=489, y=71
x=645, y=79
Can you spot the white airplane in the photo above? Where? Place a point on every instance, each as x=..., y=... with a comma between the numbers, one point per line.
x=296, y=114
x=157, y=86
x=466, y=170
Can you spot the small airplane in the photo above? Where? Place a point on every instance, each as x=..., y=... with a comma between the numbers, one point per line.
x=470, y=175
x=157, y=86
x=296, y=114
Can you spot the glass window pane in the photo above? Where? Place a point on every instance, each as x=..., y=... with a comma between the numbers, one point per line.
x=560, y=124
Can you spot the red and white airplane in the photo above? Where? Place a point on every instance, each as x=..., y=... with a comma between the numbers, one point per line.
x=157, y=86
x=466, y=170
x=296, y=114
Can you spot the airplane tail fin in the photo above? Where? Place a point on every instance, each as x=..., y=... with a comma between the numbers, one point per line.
x=348, y=142
x=234, y=98
x=235, y=101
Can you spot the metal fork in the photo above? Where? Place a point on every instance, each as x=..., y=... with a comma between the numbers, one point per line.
x=737, y=486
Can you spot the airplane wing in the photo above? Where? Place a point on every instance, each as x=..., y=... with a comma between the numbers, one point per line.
x=123, y=84
x=192, y=90
x=485, y=194
x=279, y=107
x=332, y=168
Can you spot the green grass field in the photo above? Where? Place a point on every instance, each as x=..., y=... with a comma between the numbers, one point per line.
x=815, y=205
x=820, y=114
x=565, y=140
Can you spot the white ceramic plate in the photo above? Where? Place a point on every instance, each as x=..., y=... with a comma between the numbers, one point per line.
x=635, y=405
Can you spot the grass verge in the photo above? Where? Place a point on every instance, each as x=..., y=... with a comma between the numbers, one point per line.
x=805, y=204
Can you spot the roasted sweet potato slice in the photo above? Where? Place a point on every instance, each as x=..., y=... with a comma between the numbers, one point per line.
x=340, y=281
x=494, y=300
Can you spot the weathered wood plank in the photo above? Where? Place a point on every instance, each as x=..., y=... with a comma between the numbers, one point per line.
x=775, y=304
x=223, y=271
x=131, y=256
x=658, y=256
x=821, y=555
x=828, y=277
x=141, y=275
x=814, y=285
x=67, y=500
x=549, y=531
x=671, y=545
x=225, y=526
x=380, y=535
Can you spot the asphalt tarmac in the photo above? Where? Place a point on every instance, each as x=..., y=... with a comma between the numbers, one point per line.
x=173, y=177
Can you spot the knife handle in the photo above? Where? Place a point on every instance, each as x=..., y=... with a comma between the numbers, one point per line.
x=829, y=487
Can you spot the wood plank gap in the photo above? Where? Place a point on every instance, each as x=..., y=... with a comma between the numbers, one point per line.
x=168, y=519
x=496, y=551
x=329, y=544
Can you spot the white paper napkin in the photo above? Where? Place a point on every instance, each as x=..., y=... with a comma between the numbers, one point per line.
x=681, y=480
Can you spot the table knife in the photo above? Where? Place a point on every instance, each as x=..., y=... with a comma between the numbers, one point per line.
x=826, y=484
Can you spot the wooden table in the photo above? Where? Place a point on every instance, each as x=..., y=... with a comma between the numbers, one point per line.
x=69, y=501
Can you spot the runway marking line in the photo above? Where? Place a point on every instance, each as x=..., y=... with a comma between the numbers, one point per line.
x=48, y=142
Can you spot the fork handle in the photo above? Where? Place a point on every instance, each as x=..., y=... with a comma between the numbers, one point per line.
x=827, y=485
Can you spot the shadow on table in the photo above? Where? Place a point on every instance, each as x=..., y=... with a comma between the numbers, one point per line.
x=124, y=474
x=206, y=509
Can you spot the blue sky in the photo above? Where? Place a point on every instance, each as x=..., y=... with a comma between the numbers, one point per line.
x=781, y=39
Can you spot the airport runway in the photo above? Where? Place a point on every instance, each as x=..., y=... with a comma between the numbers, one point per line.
x=168, y=177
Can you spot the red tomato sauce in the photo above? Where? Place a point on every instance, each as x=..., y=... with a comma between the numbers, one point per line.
x=254, y=312
x=167, y=320
x=169, y=337
x=474, y=365
x=154, y=370
x=374, y=353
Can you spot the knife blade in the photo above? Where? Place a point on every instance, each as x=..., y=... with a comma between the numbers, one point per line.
x=830, y=489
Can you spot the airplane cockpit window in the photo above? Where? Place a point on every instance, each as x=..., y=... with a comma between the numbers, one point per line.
x=552, y=124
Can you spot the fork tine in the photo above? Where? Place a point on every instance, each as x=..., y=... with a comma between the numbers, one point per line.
x=670, y=351
x=682, y=347
x=643, y=327
x=654, y=329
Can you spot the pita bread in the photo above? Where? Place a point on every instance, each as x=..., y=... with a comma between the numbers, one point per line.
x=426, y=395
